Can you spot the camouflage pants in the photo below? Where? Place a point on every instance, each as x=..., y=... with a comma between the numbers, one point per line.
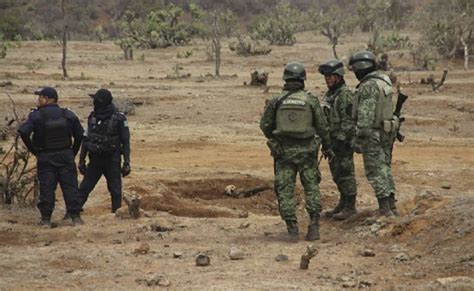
x=297, y=161
x=377, y=163
x=342, y=168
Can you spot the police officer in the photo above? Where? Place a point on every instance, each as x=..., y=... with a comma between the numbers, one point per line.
x=376, y=127
x=337, y=107
x=52, y=128
x=106, y=139
x=292, y=122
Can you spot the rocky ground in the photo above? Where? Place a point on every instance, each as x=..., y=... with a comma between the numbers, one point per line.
x=192, y=136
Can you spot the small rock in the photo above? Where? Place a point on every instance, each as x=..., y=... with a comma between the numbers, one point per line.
x=203, y=260
x=142, y=249
x=367, y=253
x=446, y=186
x=349, y=284
x=155, y=280
x=365, y=284
x=244, y=225
x=281, y=258
x=164, y=282
x=402, y=257
x=244, y=214
x=178, y=255
x=236, y=254
x=374, y=228
x=454, y=283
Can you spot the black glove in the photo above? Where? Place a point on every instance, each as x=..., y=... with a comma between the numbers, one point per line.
x=358, y=144
x=82, y=167
x=126, y=169
x=328, y=154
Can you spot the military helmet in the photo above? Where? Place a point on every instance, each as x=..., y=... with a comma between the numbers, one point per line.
x=294, y=71
x=362, y=60
x=332, y=66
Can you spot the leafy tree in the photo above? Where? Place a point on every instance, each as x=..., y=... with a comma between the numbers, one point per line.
x=3, y=47
x=334, y=24
x=279, y=26
x=130, y=34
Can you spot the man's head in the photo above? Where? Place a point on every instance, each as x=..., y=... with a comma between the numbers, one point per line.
x=102, y=98
x=333, y=71
x=362, y=63
x=294, y=71
x=46, y=95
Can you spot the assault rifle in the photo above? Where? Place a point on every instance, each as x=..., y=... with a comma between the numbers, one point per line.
x=398, y=108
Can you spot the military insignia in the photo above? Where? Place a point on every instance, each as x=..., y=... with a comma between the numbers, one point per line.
x=292, y=116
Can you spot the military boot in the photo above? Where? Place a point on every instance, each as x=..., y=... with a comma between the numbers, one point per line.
x=339, y=207
x=76, y=219
x=391, y=202
x=45, y=221
x=384, y=207
x=313, y=228
x=292, y=227
x=67, y=216
x=349, y=209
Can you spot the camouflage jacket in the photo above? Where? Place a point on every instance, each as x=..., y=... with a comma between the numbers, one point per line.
x=365, y=103
x=268, y=120
x=337, y=106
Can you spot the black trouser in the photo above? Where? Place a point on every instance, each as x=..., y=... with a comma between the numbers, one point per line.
x=109, y=166
x=54, y=167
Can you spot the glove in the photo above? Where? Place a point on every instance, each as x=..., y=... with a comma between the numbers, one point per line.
x=82, y=167
x=126, y=169
x=358, y=142
x=328, y=154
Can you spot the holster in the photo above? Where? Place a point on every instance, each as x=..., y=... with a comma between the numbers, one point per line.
x=275, y=148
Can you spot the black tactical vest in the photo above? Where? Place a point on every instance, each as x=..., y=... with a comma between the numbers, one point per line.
x=102, y=135
x=55, y=134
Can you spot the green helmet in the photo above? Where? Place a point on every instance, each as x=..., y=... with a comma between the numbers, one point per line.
x=362, y=60
x=332, y=66
x=294, y=71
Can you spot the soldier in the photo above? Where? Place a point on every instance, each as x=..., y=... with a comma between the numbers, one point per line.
x=376, y=127
x=52, y=128
x=107, y=137
x=337, y=106
x=290, y=122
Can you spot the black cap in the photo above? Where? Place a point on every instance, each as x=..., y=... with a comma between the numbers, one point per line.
x=102, y=96
x=48, y=92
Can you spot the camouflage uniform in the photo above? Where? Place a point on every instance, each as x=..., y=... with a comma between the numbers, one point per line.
x=294, y=156
x=337, y=106
x=375, y=142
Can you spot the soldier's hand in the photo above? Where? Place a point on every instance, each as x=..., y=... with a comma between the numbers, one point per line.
x=126, y=169
x=82, y=167
x=358, y=144
x=328, y=154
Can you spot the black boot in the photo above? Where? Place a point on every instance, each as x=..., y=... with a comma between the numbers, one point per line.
x=45, y=221
x=292, y=227
x=349, y=209
x=339, y=207
x=313, y=228
x=384, y=207
x=391, y=202
x=76, y=219
x=67, y=216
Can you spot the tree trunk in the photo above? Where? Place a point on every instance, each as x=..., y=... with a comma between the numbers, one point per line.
x=466, y=53
x=216, y=42
x=334, y=50
x=125, y=53
x=130, y=54
x=63, y=62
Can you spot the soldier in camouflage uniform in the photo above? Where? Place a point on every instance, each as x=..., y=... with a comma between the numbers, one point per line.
x=337, y=107
x=376, y=127
x=291, y=122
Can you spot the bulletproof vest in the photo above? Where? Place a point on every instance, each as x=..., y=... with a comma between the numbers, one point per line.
x=102, y=135
x=294, y=117
x=55, y=133
x=331, y=108
x=384, y=107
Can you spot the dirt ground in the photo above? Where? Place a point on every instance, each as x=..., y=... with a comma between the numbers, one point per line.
x=194, y=136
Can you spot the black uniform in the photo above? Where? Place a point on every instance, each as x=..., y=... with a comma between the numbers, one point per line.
x=52, y=128
x=107, y=138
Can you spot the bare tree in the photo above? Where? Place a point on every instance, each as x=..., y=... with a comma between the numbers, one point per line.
x=216, y=41
x=63, y=62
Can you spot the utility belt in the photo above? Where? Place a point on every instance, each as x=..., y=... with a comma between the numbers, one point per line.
x=277, y=147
